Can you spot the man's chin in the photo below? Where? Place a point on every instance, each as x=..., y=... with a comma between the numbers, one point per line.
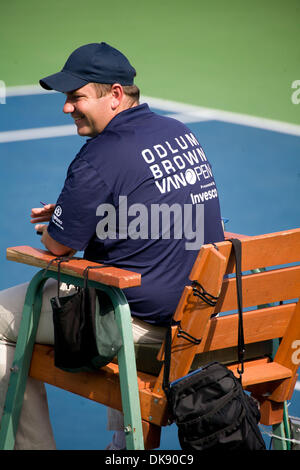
x=84, y=131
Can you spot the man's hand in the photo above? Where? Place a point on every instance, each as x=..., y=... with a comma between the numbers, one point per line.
x=42, y=229
x=42, y=214
x=52, y=245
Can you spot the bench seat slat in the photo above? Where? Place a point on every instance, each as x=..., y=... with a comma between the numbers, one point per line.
x=262, y=372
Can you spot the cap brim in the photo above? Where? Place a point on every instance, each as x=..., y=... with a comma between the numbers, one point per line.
x=63, y=82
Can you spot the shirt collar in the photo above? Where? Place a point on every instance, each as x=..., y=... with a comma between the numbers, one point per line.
x=129, y=114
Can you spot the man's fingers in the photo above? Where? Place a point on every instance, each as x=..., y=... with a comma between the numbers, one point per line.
x=42, y=214
x=40, y=219
x=49, y=207
x=41, y=210
x=40, y=227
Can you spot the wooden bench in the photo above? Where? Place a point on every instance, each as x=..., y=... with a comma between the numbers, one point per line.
x=271, y=287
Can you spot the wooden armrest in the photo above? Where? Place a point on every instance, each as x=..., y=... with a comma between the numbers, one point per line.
x=115, y=277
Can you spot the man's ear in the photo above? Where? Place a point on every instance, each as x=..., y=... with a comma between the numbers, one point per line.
x=117, y=95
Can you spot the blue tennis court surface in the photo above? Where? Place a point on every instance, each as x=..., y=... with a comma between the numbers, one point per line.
x=258, y=178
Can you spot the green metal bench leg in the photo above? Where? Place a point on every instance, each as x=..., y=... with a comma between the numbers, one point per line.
x=23, y=353
x=283, y=433
x=128, y=374
x=21, y=363
x=127, y=364
x=280, y=443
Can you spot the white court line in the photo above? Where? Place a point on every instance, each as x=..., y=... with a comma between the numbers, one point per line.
x=26, y=90
x=209, y=114
x=38, y=133
x=184, y=112
x=186, y=118
x=297, y=386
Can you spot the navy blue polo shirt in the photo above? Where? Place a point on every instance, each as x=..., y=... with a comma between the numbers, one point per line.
x=141, y=196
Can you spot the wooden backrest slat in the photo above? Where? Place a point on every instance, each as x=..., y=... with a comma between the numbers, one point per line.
x=221, y=332
x=261, y=251
x=287, y=352
x=261, y=288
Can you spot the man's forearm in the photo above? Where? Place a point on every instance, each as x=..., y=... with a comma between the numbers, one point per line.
x=55, y=247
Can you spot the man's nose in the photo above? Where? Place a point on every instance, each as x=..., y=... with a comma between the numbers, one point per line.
x=68, y=107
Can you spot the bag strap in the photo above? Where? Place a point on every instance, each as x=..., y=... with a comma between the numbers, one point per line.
x=167, y=361
x=59, y=259
x=86, y=272
x=237, y=249
x=86, y=277
x=65, y=259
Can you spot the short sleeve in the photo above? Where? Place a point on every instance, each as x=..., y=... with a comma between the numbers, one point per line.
x=74, y=221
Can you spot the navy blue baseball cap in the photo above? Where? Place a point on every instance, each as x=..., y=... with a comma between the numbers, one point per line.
x=95, y=62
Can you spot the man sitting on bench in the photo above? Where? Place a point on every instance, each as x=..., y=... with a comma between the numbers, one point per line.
x=140, y=195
